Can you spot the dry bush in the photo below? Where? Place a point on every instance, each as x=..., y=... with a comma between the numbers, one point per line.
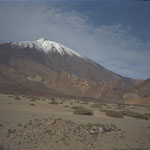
x=32, y=104
x=77, y=107
x=83, y=111
x=128, y=113
x=17, y=98
x=54, y=102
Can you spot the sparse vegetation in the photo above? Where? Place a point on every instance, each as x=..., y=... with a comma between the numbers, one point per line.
x=120, y=106
x=90, y=125
x=148, y=115
x=53, y=99
x=103, y=110
x=83, y=111
x=134, y=107
x=71, y=103
x=11, y=131
x=32, y=104
x=17, y=98
x=114, y=114
x=127, y=113
x=61, y=102
x=136, y=115
x=98, y=105
x=84, y=103
x=148, y=108
x=10, y=96
x=66, y=106
x=53, y=102
x=77, y=101
x=108, y=107
x=77, y=107
x=33, y=99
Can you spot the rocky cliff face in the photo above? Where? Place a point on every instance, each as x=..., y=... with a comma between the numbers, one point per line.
x=49, y=68
x=138, y=94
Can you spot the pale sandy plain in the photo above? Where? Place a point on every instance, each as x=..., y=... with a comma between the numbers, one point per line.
x=18, y=119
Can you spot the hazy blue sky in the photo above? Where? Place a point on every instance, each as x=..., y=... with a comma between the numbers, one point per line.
x=115, y=34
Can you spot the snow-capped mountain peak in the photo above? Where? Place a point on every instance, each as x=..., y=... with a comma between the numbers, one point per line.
x=47, y=46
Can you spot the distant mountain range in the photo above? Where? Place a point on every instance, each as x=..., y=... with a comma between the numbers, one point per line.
x=47, y=68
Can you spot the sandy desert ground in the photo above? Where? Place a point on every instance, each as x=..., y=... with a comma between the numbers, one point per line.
x=44, y=124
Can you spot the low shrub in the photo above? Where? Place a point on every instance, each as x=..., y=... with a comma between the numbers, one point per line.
x=53, y=102
x=17, y=98
x=53, y=99
x=61, y=102
x=90, y=125
x=77, y=107
x=33, y=99
x=84, y=103
x=98, y=105
x=32, y=104
x=114, y=114
x=10, y=96
x=127, y=113
x=11, y=131
x=120, y=106
x=135, y=115
x=71, y=103
x=83, y=111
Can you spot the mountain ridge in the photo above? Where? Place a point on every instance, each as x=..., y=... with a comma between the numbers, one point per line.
x=60, y=69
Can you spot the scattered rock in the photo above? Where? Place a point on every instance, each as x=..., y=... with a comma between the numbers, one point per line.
x=92, y=131
x=54, y=121
x=51, y=131
x=25, y=134
x=101, y=130
x=107, y=129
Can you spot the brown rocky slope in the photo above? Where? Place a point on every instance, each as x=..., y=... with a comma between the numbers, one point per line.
x=26, y=68
x=138, y=94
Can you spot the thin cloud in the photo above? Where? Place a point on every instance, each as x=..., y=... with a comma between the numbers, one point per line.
x=110, y=45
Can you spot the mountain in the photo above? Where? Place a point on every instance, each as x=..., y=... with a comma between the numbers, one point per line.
x=138, y=94
x=47, y=68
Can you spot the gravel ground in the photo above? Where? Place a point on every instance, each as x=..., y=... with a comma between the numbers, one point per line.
x=44, y=126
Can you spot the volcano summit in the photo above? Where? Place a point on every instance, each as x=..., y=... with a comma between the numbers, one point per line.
x=43, y=67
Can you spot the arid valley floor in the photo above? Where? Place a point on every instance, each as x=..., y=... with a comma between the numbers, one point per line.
x=31, y=123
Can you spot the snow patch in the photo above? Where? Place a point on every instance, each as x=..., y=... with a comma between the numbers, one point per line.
x=47, y=46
